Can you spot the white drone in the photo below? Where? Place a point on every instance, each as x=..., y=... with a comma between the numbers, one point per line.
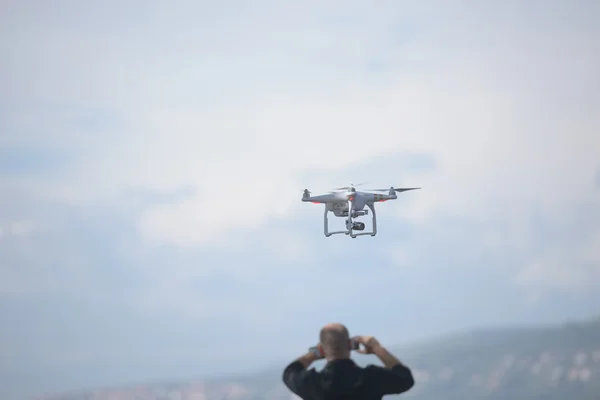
x=350, y=203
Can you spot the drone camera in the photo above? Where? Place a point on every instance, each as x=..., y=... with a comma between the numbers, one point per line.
x=358, y=226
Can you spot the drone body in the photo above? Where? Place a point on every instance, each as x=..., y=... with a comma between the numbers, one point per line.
x=349, y=203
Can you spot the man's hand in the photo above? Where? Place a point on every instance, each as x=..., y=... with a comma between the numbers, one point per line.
x=370, y=344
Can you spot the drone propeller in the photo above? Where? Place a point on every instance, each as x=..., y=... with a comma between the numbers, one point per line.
x=350, y=187
x=396, y=190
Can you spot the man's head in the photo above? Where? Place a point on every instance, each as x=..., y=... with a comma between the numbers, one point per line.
x=335, y=341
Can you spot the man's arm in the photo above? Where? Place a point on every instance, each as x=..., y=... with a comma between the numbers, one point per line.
x=387, y=358
x=395, y=378
x=296, y=373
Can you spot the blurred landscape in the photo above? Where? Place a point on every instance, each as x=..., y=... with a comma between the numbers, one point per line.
x=542, y=362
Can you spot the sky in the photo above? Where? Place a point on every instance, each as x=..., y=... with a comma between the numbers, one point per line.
x=153, y=157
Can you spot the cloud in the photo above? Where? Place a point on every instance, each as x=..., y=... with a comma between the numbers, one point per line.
x=157, y=169
x=568, y=258
x=483, y=111
x=18, y=228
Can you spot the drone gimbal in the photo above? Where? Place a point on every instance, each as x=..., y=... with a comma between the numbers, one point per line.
x=352, y=226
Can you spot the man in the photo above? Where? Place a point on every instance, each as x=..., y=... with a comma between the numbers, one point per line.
x=341, y=378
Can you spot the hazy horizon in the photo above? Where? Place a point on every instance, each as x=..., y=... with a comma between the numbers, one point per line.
x=153, y=157
x=277, y=365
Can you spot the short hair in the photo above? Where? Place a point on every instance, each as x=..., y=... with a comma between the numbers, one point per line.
x=335, y=339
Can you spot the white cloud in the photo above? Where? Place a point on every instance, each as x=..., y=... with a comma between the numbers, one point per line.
x=571, y=267
x=19, y=228
x=243, y=117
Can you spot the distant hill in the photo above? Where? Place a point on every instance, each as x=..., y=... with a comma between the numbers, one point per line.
x=557, y=362
x=548, y=362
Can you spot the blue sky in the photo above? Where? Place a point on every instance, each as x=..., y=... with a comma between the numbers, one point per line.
x=153, y=157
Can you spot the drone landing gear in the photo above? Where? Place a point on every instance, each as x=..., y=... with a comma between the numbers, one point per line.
x=351, y=226
x=326, y=226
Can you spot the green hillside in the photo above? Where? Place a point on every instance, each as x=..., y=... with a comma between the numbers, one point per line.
x=561, y=362
x=551, y=363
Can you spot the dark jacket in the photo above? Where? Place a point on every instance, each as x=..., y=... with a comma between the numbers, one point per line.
x=343, y=379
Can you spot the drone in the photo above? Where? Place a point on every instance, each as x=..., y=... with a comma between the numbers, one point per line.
x=347, y=202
